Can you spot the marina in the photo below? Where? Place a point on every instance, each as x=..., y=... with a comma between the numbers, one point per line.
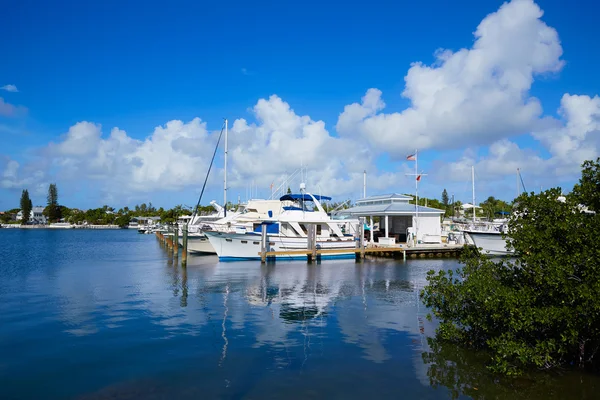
x=299, y=201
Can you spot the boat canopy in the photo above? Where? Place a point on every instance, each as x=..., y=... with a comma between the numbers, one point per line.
x=303, y=197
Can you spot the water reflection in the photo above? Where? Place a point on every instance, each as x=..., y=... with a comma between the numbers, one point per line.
x=463, y=372
x=336, y=329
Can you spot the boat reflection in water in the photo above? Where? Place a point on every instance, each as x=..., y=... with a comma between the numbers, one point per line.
x=123, y=319
x=256, y=327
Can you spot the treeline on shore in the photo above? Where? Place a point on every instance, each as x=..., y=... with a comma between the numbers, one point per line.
x=105, y=215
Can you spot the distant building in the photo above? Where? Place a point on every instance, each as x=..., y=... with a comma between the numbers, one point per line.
x=36, y=216
x=146, y=220
x=399, y=221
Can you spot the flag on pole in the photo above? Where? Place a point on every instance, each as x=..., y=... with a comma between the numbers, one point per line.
x=412, y=157
x=418, y=178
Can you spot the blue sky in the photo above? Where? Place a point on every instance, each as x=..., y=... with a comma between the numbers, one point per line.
x=137, y=66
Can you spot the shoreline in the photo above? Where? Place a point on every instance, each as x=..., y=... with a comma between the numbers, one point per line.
x=19, y=226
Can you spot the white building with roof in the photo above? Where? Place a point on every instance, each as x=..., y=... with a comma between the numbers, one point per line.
x=399, y=221
x=35, y=217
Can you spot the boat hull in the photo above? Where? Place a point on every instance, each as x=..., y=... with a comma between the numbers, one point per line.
x=234, y=246
x=490, y=242
x=198, y=244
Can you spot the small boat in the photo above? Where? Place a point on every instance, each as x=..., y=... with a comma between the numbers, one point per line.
x=491, y=242
x=61, y=225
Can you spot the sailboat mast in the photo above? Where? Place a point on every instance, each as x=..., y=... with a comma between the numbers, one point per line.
x=225, y=175
x=518, y=188
x=365, y=184
x=473, y=183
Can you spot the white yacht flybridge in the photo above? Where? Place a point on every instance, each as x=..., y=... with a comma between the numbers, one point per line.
x=287, y=231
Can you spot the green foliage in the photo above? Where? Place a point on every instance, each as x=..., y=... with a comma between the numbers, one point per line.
x=432, y=203
x=491, y=206
x=52, y=195
x=540, y=309
x=52, y=211
x=289, y=190
x=587, y=191
x=123, y=220
x=26, y=206
x=445, y=199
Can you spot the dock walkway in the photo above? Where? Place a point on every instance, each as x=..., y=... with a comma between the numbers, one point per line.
x=439, y=251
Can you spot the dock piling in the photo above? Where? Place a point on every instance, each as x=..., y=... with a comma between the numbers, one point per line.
x=312, y=242
x=185, y=243
x=176, y=239
x=264, y=243
x=362, y=237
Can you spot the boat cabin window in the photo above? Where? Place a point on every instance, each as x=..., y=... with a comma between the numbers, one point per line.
x=305, y=229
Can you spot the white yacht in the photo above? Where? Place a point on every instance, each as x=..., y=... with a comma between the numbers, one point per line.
x=489, y=237
x=288, y=231
x=239, y=221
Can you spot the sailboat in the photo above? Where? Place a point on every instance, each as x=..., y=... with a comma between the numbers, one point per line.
x=197, y=240
x=490, y=237
x=240, y=220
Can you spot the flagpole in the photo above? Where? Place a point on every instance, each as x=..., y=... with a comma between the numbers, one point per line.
x=416, y=196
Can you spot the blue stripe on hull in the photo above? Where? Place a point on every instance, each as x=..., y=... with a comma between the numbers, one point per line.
x=291, y=258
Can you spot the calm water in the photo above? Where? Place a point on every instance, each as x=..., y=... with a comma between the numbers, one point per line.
x=107, y=314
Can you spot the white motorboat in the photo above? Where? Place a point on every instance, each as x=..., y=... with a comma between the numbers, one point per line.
x=490, y=236
x=491, y=242
x=61, y=225
x=239, y=221
x=288, y=231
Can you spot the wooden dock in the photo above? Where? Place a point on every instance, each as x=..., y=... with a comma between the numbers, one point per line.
x=440, y=251
x=314, y=253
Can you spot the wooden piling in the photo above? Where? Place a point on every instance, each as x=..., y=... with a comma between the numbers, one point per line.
x=264, y=243
x=312, y=242
x=360, y=243
x=185, y=243
x=169, y=238
x=176, y=238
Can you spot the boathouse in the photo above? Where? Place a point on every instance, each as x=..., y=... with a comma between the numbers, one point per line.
x=392, y=219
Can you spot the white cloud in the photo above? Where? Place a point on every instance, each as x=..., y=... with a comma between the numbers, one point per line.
x=174, y=156
x=13, y=176
x=577, y=137
x=282, y=141
x=569, y=141
x=477, y=98
x=9, y=88
x=471, y=96
x=9, y=110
